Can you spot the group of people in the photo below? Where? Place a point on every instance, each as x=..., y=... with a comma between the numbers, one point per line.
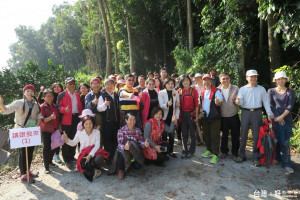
x=132, y=121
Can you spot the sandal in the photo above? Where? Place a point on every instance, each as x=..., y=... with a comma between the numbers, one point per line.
x=289, y=170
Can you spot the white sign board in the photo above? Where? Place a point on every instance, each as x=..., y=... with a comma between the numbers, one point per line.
x=24, y=137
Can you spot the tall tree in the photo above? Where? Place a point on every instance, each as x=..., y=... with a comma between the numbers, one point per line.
x=190, y=24
x=107, y=39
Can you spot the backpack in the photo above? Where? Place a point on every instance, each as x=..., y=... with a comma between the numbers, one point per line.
x=190, y=94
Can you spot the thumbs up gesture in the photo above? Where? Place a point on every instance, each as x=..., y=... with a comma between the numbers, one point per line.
x=127, y=146
x=67, y=109
x=217, y=101
x=170, y=102
x=95, y=101
x=233, y=96
x=53, y=116
x=146, y=143
x=64, y=137
x=42, y=88
x=107, y=103
x=141, y=94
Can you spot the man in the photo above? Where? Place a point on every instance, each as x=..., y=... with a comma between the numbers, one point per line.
x=250, y=98
x=70, y=107
x=108, y=105
x=135, y=79
x=229, y=117
x=91, y=101
x=214, y=78
x=129, y=97
x=163, y=74
x=156, y=75
x=141, y=86
x=150, y=75
x=211, y=102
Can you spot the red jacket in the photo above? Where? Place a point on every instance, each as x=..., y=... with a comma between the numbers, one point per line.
x=64, y=100
x=188, y=102
x=47, y=111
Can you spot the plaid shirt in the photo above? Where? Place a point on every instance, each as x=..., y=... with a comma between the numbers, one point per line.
x=125, y=135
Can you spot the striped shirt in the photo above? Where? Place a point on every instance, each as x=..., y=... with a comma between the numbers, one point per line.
x=128, y=104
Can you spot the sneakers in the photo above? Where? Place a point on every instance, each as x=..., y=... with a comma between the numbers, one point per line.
x=214, y=159
x=256, y=163
x=47, y=171
x=57, y=159
x=289, y=170
x=24, y=179
x=32, y=175
x=183, y=155
x=206, y=154
x=69, y=165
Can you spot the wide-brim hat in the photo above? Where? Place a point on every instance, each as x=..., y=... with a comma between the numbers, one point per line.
x=86, y=112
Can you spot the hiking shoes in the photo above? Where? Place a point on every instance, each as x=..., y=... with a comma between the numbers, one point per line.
x=223, y=155
x=238, y=159
x=51, y=165
x=57, y=159
x=214, y=159
x=206, y=154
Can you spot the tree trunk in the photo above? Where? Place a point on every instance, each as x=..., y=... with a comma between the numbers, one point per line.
x=274, y=48
x=107, y=39
x=242, y=70
x=164, y=47
x=179, y=13
x=261, y=41
x=132, y=67
x=190, y=24
x=117, y=69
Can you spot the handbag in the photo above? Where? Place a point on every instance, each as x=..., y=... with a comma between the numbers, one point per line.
x=149, y=153
x=56, y=140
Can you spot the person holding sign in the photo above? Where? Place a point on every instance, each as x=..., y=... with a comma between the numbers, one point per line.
x=49, y=124
x=27, y=114
x=89, y=139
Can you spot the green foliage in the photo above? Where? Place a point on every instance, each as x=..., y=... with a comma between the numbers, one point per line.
x=294, y=74
x=295, y=138
x=84, y=75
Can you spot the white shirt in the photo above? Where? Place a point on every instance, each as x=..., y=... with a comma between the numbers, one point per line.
x=101, y=107
x=74, y=102
x=225, y=92
x=86, y=140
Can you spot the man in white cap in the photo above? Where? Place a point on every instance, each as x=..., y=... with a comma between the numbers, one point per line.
x=250, y=98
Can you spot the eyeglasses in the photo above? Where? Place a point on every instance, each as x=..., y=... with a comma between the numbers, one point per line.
x=130, y=80
x=225, y=79
x=71, y=83
x=95, y=83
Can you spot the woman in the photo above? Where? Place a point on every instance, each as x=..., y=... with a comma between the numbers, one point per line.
x=120, y=84
x=27, y=114
x=189, y=110
x=158, y=84
x=84, y=90
x=282, y=101
x=56, y=88
x=130, y=142
x=169, y=102
x=150, y=101
x=90, y=154
x=154, y=128
x=49, y=124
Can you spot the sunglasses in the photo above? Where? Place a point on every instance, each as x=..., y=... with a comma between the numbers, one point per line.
x=71, y=83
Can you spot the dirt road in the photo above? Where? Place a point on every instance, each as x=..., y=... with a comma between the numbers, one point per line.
x=193, y=178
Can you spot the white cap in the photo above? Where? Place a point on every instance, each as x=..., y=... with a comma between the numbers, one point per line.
x=251, y=72
x=198, y=75
x=280, y=75
x=86, y=112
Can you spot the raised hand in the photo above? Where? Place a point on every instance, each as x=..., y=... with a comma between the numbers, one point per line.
x=107, y=103
x=53, y=116
x=146, y=143
x=64, y=137
x=127, y=146
x=67, y=109
x=217, y=101
x=131, y=95
x=170, y=103
x=95, y=101
x=42, y=88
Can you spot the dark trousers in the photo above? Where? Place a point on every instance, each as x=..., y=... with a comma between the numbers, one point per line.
x=188, y=124
x=110, y=140
x=98, y=161
x=68, y=152
x=48, y=153
x=22, y=159
x=253, y=119
x=211, y=135
x=57, y=151
x=171, y=140
x=179, y=131
x=230, y=123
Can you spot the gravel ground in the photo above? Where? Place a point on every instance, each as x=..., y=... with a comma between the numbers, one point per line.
x=193, y=178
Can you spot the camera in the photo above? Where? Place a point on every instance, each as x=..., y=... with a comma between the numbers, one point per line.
x=163, y=149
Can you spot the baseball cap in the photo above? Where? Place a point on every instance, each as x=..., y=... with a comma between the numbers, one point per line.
x=198, y=75
x=69, y=79
x=251, y=72
x=206, y=76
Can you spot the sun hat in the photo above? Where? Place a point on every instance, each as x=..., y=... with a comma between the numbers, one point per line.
x=86, y=112
x=280, y=75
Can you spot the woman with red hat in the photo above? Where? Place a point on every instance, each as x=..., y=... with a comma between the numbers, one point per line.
x=27, y=114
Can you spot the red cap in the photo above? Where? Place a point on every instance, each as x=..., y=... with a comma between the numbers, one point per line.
x=31, y=87
x=95, y=79
x=206, y=76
